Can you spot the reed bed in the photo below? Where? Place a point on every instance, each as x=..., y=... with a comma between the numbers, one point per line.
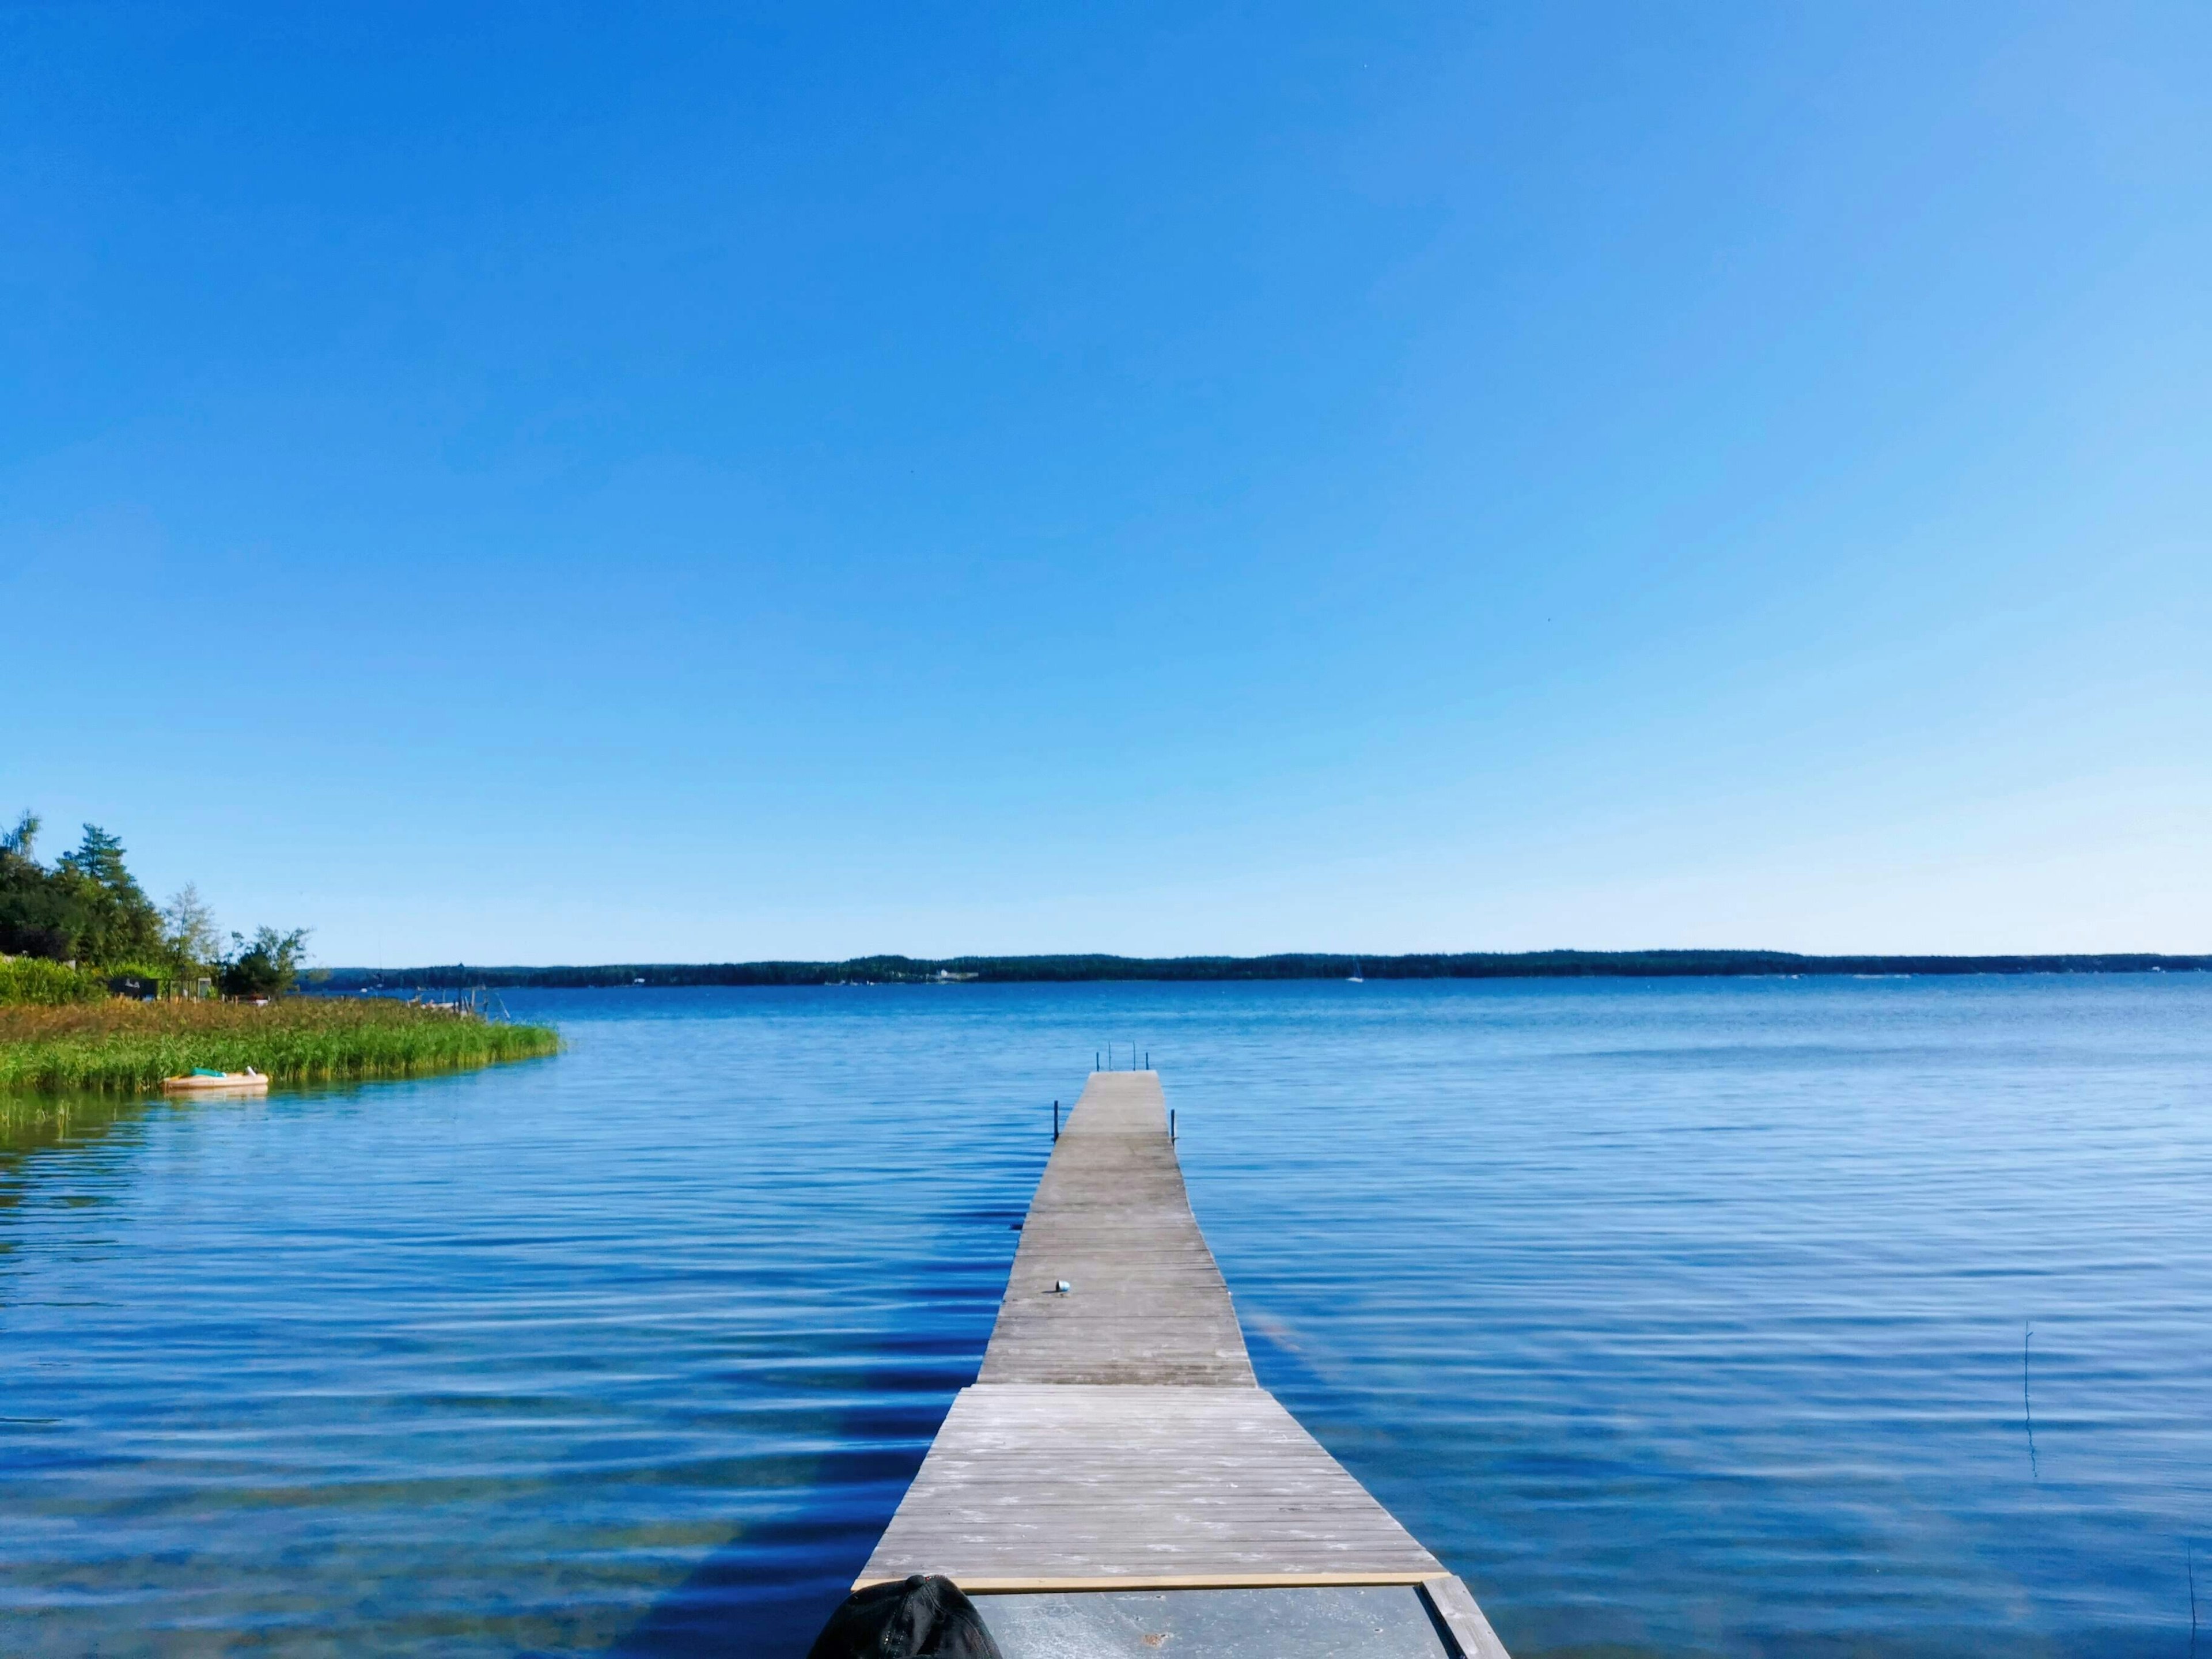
x=119, y=1047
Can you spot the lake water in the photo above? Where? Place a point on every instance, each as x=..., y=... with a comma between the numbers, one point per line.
x=1679, y=1317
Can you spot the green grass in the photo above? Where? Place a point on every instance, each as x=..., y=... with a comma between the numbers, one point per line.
x=117, y=1046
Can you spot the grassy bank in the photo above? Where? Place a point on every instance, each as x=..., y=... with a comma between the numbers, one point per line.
x=119, y=1047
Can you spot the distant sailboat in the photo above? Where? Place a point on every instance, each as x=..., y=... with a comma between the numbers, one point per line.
x=1357, y=977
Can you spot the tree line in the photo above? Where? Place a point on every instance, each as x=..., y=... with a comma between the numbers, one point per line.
x=1062, y=969
x=88, y=910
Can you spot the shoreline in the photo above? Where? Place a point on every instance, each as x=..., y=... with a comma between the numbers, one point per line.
x=1100, y=969
x=123, y=1047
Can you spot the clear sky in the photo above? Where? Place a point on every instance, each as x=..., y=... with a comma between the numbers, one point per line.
x=557, y=483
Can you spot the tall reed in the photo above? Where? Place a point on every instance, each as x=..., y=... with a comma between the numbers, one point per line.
x=116, y=1046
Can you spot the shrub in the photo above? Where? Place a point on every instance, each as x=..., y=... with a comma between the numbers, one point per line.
x=269, y=967
x=35, y=982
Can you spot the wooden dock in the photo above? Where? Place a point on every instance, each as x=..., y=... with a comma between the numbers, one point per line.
x=1116, y=1439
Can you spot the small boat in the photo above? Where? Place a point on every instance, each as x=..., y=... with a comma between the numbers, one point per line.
x=200, y=1080
x=1356, y=977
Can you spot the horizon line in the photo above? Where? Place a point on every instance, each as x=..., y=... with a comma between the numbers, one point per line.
x=1668, y=961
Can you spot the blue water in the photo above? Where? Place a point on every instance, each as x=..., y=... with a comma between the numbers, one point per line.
x=1679, y=1317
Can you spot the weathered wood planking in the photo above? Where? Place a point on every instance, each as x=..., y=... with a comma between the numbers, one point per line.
x=1111, y=1217
x=1061, y=1486
x=1455, y=1605
x=1117, y=1438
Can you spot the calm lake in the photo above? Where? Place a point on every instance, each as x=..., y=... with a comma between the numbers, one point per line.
x=1747, y=1317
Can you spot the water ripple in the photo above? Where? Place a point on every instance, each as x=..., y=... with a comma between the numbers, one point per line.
x=1681, y=1317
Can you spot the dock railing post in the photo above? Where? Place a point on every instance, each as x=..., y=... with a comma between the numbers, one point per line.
x=1055, y=1122
x=1171, y=1125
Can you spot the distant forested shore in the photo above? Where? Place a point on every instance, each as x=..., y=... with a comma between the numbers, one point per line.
x=1067, y=970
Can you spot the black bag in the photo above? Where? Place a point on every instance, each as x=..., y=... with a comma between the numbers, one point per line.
x=924, y=1618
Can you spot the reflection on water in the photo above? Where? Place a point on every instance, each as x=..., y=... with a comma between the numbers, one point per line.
x=1681, y=1318
x=34, y=1123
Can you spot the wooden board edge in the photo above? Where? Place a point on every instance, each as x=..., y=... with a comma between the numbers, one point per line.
x=989, y=1586
x=1456, y=1610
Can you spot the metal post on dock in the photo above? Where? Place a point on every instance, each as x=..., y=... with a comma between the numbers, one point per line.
x=1055, y=1122
x=1171, y=1135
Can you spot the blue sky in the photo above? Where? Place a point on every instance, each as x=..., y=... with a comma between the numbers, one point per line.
x=566, y=483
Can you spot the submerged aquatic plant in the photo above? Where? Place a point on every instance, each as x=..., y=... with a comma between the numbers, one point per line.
x=119, y=1046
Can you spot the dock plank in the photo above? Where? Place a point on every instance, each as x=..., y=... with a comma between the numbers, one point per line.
x=1064, y=1485
x=1117, y=1440
x=1111, y=1217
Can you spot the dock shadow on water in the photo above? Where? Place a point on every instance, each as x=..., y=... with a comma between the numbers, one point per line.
x=768, y=1590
